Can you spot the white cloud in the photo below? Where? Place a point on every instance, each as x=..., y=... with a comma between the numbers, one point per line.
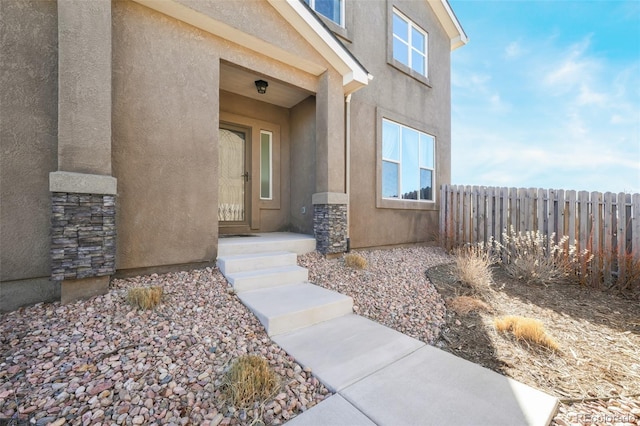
x=590, y=97
x=513, y=50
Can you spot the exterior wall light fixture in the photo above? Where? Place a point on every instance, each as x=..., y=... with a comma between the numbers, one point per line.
x=261, y=85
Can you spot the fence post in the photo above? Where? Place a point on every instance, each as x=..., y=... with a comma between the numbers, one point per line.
x=635, y=226
x=443, y=216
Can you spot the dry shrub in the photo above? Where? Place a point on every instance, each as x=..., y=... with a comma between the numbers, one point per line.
x=473, y=267
x=144, y=297
x=627, y=281
x=354, y=260
x=528, y=329
x=464, y=305
x=624, y=273
x=249, y=379
x=534, y=258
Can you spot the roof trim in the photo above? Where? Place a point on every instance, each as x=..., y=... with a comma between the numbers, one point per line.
x=312, y=29
x=450, y=22
x=354, y=76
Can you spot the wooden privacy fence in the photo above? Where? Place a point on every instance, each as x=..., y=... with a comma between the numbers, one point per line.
x=599, y=222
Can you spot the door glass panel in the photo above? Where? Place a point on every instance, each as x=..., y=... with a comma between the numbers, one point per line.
x=231, y=206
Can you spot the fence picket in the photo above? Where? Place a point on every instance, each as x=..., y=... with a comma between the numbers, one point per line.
x=596, y=232
x=621, y=233
x=560, y=215
x=607, y=245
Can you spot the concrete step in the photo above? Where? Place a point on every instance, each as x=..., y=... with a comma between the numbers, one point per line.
x=251, y=262
x=287, y=308
x=265, y=278
x=346, y=349
x=267, y=242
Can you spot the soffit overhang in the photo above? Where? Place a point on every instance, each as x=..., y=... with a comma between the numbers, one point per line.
x=449, y=22
x=354, y=75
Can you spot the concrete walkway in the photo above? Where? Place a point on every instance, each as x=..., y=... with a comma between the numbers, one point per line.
x=379, y=376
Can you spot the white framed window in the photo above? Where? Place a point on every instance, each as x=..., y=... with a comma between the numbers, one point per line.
x=266, y=165
x=332, y=9
x=410, y=44
x=408, y=163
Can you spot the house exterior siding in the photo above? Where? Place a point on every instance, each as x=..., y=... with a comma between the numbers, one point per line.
x=28, y=138
x=123, y=101
x=394, y=94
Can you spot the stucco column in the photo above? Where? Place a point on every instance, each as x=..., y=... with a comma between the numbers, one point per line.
x=330, y=143
x=83, y=190
x=330, y=200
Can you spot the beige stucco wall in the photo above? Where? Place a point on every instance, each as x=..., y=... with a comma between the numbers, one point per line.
x=166, y=114
x=165, y=123
x=28, y=143
x=303, y=165
x=428, y=107
x=266, y=215
x=84, y=91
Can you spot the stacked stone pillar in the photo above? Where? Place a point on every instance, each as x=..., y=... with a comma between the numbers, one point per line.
x=83, y=190
x=330, y=222
x=330, y=202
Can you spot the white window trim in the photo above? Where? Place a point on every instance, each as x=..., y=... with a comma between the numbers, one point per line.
x=409, y=44
x=312, y=5
x=399, y=162
x=265, y=132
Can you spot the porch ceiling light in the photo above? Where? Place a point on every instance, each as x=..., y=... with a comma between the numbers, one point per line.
x=261, y=85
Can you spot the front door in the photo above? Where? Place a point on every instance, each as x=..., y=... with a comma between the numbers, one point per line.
x=233, y=177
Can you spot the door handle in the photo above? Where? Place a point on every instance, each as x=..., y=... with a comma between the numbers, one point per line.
x=245, y=175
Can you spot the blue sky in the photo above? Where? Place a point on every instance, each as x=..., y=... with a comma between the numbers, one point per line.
x=546, y=94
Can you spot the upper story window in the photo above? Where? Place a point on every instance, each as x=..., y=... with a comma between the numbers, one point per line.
x=409, y=43
x=332, y=9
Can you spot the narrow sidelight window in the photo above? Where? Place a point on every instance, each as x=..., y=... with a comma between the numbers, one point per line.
x=266, y=172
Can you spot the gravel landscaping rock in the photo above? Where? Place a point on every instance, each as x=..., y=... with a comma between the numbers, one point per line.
x=101, y=361
x=392, y=290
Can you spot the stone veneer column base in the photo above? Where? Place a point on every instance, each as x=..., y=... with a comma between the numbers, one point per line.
x=330, y=222
x=83, y=233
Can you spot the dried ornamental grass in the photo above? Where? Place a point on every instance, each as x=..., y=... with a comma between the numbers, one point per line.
x=529, y=329
x=354, y=260
x=535, y=258
x=464, y=305
x=145, y=297
x=249, y=379
x=472, y=267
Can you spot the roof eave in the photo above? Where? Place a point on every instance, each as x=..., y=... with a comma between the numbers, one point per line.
x=450, y=22
x=354, y=75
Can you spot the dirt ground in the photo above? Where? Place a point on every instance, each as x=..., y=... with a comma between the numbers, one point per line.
x=597, y=366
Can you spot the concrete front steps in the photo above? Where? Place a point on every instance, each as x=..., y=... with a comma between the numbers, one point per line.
x=263, y=271
x=379, y=376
